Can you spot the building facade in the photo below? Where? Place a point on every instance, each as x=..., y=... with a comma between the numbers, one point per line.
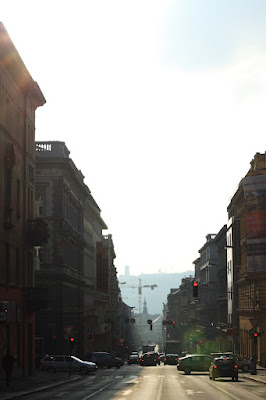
x=20, y=232
x=77, y=263
x=248, y=250
x=206, y=274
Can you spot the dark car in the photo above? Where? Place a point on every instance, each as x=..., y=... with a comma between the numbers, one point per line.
x=148, y=359
x=242, y=362
x=194, y=362
x=133, y=359
x=104, y=359
x=223, y=368
x=54, y=363
x=157, y=356
x=171, y=359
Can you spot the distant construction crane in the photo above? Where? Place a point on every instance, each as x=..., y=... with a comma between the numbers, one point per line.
x=140, y=287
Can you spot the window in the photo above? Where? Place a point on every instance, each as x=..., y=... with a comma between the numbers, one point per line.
x=7, y=262
x=9, y=164
x=30, y=202
x=29, y=281
x=59, y=358
x=17, y=271
x=18, y=199
x=39, y=205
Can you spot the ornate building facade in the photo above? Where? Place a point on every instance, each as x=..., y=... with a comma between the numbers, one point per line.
x=77, y=263
x=20, y=232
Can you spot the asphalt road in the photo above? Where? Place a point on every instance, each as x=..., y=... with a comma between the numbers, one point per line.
x=153, y=383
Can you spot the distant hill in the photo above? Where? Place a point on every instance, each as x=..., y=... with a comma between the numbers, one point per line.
x=156, y=297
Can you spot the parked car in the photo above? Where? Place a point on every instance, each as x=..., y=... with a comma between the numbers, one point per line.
x=104, y=359
x=171, y=359
x=243, y=363
x=54, y=363
x=194, y=362
x=133, y=359
x=223, y=368
x=148, y=359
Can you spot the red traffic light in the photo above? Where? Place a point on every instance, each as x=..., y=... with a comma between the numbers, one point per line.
x=195, y=287
x=256, y=334
x=72, y=339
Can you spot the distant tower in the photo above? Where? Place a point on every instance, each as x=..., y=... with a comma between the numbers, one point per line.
x=145, y=309
x=127, y=271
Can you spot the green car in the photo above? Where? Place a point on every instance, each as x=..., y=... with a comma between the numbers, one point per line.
x=194, y=362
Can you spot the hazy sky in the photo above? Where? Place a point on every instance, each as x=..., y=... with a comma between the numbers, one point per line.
x=161, y=104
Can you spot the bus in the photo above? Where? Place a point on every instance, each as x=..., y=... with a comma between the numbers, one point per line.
x=172, y=347
x=148, y=348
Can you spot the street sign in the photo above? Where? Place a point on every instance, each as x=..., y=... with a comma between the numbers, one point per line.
x=68, y=330
x=254, y=322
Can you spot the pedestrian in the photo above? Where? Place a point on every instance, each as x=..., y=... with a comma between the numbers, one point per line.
x=7, y=365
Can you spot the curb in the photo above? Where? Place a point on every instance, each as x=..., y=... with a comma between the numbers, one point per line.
x=254, y=379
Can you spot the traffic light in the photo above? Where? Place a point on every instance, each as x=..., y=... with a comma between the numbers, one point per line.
x=72, y=340
x=150, y=327
x=173, y=324
x=255, y=336
x=195, y=289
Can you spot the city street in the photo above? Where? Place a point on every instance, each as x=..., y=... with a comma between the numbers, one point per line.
x=152, y=383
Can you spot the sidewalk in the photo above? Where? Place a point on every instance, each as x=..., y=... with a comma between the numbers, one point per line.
x=260, y=377
x=40, y=380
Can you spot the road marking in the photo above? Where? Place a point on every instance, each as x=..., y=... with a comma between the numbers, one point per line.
x=190, y=391
x=230, y=394
x=127, y=392
x=159, y=394
x=98, y=391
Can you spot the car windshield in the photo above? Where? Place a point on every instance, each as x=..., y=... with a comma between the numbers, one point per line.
x=76, y=359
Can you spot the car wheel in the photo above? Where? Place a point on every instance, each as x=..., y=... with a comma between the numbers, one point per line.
x=84, y=371
x=51, y=370
x=117, y=366
x=210, y=377
x=187, y=370
x=245, y=368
